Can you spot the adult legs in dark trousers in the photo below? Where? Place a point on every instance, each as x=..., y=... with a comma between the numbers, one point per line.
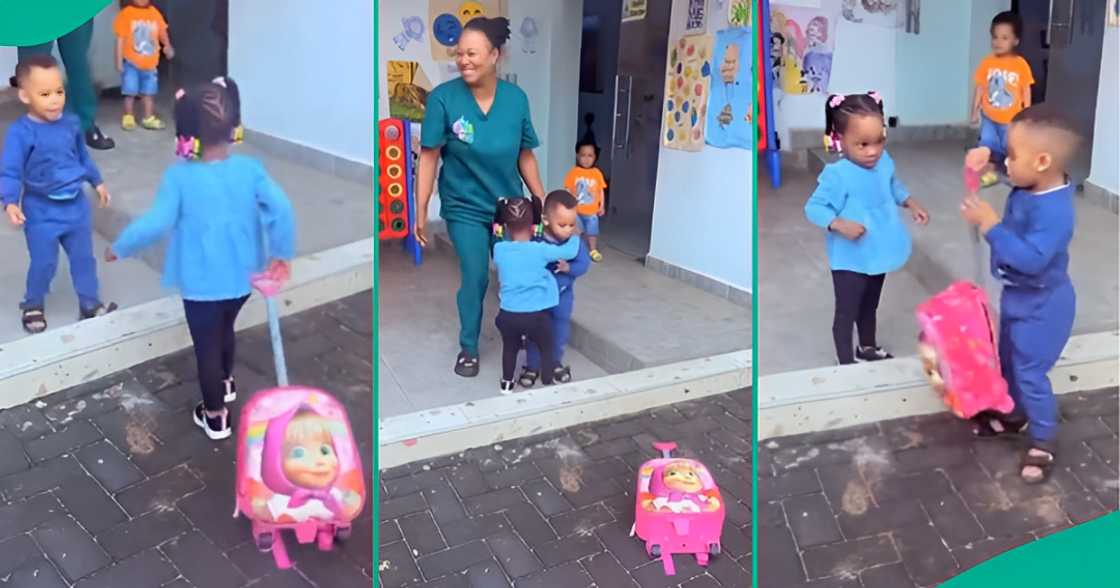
x=857, y=301
x=81, y=98
x=537, y=327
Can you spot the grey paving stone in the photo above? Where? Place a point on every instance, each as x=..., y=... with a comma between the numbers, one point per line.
x=421, y=533
x=397, y=566
x=23, y=515
x=568, y=549
x=16, y=551
x=147, y=568
x=36, y=572
x=111, y=468
x=606, y=571
x=159, y=493
x=25, y=421
x=849, y=558
x=45, y=476
x=138, y=534
x=74, y=435
x=811, y=520
x=90, y=504
x=201, y=562
x=514, y=556
x=13, y=458
x=581, y=521
x=570, y=575
x=454, y=559
x=70, y=548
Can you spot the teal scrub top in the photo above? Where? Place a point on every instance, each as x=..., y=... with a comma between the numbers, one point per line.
x=479, y=151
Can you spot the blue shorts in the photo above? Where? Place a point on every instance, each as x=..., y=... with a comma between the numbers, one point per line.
x=589, y=224
x=139, y=82
x=993, y=136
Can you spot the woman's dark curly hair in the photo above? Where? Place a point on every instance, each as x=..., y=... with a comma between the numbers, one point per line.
x=496, y=29
x=209, y=111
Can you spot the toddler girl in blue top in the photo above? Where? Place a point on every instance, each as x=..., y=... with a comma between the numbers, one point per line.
x=527, y=288
x=216, y=207
x=857, y=200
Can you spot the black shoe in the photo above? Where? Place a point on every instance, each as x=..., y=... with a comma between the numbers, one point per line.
x=216, y=428
x=991, y=424
x=562, y=374
x=466, y=365
x=99, y=310
x=872, y=354
x=506, y=387
x=97, y=140
x=528, y=378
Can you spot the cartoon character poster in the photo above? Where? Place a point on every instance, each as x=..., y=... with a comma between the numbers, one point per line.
x=687, y=83
x=739, y=13
x=446, y=19
x=408, y=89
x=730, y=109
x=696, y=21
x=801, y=45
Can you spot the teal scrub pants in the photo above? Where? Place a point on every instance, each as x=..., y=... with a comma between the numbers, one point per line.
x=473, y=242
x=73, y=47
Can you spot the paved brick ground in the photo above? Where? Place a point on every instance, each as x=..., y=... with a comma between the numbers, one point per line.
x=556, y=510
x=913, y=502
x=111, y=484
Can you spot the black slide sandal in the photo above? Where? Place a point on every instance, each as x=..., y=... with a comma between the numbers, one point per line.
x=528, y=378
x=34, y=320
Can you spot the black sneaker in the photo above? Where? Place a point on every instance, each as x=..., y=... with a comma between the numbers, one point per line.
x=231, y=390
x=215, y=428
x=466, y=365
x=97, y=140
x=872, y=354
x=506, y=387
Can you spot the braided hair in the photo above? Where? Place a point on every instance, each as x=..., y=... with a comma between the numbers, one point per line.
x=519, y=213
x=209, y=113
x=839, y=110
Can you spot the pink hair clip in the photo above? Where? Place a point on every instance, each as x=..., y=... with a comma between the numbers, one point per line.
x=836, y=100
x=875, y=96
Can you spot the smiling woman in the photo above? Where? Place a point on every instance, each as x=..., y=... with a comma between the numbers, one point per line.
x=480, y=127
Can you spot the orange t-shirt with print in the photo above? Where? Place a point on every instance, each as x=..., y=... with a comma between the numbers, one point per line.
x=587, y=185
x=1002, y=81
x=140, y=29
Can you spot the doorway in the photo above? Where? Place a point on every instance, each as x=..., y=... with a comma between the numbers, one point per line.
x=200, y=34
x=1062, y=40
x=622, y=87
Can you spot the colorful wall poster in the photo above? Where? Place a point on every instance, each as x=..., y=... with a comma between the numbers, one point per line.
x=446, y=19
x=739, y=13
x=801, y=47
x=408, y=90
x=730, y=108
x=687, y=83
x=634, y=10
x=696, y=21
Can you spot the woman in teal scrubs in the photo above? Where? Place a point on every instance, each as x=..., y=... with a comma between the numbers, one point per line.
x=480, y=127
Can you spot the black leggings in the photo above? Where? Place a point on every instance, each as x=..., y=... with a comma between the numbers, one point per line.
x=211, y=327
x=857, y=300
x=537, y=327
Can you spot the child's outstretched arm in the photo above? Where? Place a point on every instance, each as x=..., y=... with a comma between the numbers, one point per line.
x=152, y=225
x=1030, y=253
x=277, y=218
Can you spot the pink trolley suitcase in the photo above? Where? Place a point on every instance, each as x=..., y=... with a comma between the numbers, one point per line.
x=678, y=508
x=959, y=351
x=298, y=467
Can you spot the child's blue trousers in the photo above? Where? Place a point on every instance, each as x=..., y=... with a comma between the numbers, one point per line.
x=561, y=329
x=51, y=223
x=1034, y=326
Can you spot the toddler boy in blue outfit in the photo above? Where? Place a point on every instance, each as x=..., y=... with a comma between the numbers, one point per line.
x=1030, y=257
x=560, y=219
x=46, y=162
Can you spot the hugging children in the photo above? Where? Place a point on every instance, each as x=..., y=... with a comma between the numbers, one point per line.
x=215, y=207
x=43, y=170
x=528, y=290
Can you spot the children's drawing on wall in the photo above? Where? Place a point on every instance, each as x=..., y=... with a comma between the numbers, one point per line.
x=697, y=20
x=730, y=107
x=739, y=13
x=412, y=29
x=447, y=18
x=804, y=40
x=408, y=90
x=880, y=13
x=634, y=10
x=687, y=83
x=529, y=32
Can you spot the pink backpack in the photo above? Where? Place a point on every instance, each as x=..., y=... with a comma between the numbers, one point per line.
x=959, y=351
x=298, y=469
x=678, y=508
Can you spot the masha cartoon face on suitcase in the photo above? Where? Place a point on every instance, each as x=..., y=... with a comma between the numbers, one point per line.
x=681, y=485
x=302, y=475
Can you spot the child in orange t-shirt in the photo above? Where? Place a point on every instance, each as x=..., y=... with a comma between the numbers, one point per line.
x=587, y=184
x=140, y=30
x=1003, y=89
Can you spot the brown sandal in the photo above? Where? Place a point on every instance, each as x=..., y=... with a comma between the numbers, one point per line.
x=1037, y=457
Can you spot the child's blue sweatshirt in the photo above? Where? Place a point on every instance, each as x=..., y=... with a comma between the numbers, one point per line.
x=526, y=283
x=45, y=160
x=1030, y=246
x=577, y=266
x=870, y=197
x=215, y=213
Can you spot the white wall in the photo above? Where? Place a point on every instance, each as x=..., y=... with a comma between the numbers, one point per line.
x=306, y=74
x=8, y=60
x=1105, y=169
x=702, y=212
x=550, y=76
